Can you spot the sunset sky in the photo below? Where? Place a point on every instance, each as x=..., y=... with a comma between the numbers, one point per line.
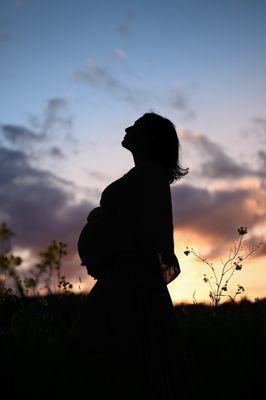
x=75, y=74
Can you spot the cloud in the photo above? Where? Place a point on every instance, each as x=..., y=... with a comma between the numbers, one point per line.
x=97, y=175
x=122, y=57
x=55, y=118
x=262, y=157
x=103, y=78
x=178, y=99
x=259, y=128
x=219, y=165
x=38, y=205
x=120, y=54
x=215, y=215
x=17, y=134
x=56, y=152
x=52, y=126
x=124, y=27
x=98, y=76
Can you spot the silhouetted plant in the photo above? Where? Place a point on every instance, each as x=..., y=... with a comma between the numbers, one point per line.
x=5, y=234
x=30, y=285
x=65, y=285
x=49, y=266
x=5, y=246
x=194, y=298
x=12, y=263
x=8, y=264
x=6, y=294
x=229, y=267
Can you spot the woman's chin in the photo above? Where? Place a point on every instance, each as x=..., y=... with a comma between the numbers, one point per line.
x=124, y=143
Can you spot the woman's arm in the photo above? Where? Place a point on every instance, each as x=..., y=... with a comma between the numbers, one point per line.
x=155, y=208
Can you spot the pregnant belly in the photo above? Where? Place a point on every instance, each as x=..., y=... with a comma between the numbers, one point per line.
x=95, y=239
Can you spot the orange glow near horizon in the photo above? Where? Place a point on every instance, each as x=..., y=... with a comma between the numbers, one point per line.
x=245, y=183
x=189, y=285
x=193, y=269
x=252, y=275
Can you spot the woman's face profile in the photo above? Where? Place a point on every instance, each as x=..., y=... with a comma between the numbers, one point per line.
x=135, y=137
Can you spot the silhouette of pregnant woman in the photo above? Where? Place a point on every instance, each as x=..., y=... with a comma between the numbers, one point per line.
x=125, y=343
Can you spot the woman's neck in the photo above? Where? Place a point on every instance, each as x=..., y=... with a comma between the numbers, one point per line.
x=140, y=160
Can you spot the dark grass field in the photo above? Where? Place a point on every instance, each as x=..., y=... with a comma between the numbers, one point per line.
x=225, y=346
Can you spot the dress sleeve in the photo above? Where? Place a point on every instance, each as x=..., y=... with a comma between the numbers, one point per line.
x=156, y=210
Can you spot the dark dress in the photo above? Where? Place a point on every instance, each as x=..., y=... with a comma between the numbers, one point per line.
x=125, y=343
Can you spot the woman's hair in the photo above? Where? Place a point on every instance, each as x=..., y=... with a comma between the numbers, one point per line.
x=165, y=146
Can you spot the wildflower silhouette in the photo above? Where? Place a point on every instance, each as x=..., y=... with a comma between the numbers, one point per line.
x=65, y=285
x=229, y=267
x=50, y=264
x=8, y=264
x=5, y=245
x=48, y=268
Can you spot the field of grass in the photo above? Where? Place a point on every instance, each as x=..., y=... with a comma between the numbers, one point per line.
x=226, y=346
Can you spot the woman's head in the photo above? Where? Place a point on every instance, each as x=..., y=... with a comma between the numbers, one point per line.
x=155, y=136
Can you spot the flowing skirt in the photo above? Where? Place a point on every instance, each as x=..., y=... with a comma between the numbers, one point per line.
x=125, y=342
